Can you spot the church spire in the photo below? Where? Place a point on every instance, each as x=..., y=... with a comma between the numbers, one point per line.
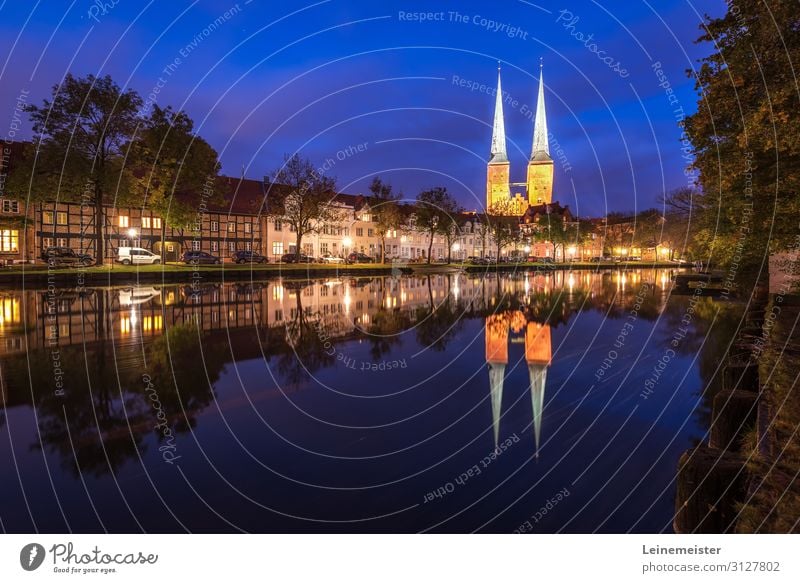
x=499, y=154
x=541, y=146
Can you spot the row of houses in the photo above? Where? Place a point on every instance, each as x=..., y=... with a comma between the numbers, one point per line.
x=238, y=222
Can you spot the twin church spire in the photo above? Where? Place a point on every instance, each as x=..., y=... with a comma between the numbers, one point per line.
x=539, y=183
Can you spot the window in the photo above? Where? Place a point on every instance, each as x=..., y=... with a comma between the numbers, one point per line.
x=292, y=229
x=61, y=242
x=278, y=225
x=156, y=222
x=215, y=245
x=9, y=240
x=359, y=232
x=123, y=243
x=370, y=232
x=122, y=221
x=231, y=246
x=248, y=246
x=323, y=248
x=195, y=245
x=277, y=247
x=248, y=228
x=47, y=217
x=214, y=226
x=232, y=227
x=47, y=242
x=10, y=206
x=146, y=224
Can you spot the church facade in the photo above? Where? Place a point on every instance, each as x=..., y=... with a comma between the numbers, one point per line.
x=504, y=197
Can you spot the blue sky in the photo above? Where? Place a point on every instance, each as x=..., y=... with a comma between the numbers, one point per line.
x=365, y=88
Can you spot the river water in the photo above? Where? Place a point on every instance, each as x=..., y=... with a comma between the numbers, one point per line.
x=556, y=401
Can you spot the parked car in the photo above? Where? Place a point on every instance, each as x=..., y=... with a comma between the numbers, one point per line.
x=544, y=259
x=200, y=258
x=137, y=256
x=292, y=258
x=65, y=256
x=328, y=258
x=241, y=257
x=359, y=258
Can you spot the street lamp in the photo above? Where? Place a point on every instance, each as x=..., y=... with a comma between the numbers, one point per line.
x=347, y=243
x=132, y=234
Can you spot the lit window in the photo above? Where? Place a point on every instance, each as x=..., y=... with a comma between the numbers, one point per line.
x=123, y=221
x=47, y=217
x=156, y=222
x=9, y=240
x=214, y=226
x=248, y=228
x=146, y=224
x=277, y=247
x=232, y=227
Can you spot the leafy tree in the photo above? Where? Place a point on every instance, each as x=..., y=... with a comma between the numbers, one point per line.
x=303, y=198
x=84, y=132
x=744, y=133
x=385, y=209
x=503, y=228
x=552, y=228
x=435, y=212
x=175, y=162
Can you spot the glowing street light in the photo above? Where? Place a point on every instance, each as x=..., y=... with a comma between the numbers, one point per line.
x=347, y=242
x=132, y=234
x=456, y=247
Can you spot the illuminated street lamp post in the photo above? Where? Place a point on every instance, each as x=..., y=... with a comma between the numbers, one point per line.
x=347, y=243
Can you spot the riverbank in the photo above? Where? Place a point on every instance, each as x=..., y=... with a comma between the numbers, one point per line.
x=40, y=276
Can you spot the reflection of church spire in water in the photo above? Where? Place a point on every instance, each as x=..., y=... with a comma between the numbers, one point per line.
x=538, y=352
x=497, y=358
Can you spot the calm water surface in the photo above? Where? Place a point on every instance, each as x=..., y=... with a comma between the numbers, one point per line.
x=542, y=402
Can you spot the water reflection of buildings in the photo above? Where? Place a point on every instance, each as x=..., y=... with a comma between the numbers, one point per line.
x=341, y=305
x=514, y=327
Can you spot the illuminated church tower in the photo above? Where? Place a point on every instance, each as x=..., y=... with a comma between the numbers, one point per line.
x=498, y=171
x=540, y=166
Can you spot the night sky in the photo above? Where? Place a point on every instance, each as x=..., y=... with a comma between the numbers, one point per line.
x=365, y=88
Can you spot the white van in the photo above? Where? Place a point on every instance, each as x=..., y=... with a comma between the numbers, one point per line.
x=136, y=256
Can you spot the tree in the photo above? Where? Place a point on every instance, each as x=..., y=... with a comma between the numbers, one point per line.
x=435, y=211
x=84, y=133
x=744, y=133
x=302, y=198
x=174, y=163
x=385, y=210
x=503, y=228
x=450, y=230
x=551, y=228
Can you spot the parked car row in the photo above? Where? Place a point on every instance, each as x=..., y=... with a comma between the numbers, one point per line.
x=141, y=256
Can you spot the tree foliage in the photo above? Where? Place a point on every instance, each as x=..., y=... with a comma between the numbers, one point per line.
x=83, y=137
x=385, y=210
x=435, y=213
x=302, y=198
x=744, y=134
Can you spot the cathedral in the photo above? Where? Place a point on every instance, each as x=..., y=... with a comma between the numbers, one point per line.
x=504, y=197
